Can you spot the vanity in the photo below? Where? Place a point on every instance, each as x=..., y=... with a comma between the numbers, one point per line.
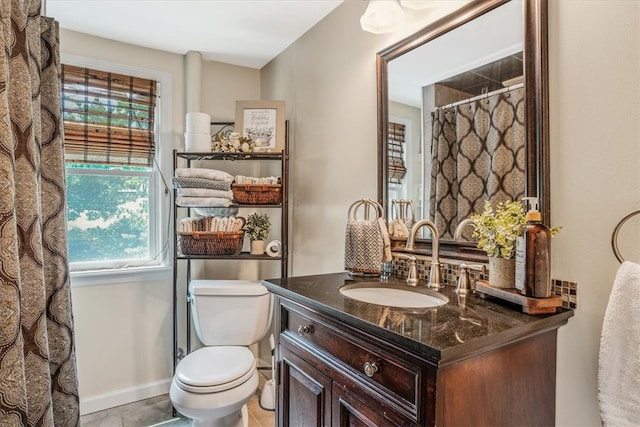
x=470, y=361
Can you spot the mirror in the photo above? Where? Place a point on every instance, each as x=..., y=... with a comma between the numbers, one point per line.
x=460, y=67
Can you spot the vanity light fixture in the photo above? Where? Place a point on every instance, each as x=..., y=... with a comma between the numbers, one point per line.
x=387, y=16
x=382, y=16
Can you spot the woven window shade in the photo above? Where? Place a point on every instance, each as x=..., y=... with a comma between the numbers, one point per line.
x=108, y=117
x=396, y=167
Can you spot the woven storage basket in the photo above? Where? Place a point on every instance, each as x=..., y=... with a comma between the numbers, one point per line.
x=214, y=243
x=257, y=194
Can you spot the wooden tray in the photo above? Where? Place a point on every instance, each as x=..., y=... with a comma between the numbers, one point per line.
x=529, y=305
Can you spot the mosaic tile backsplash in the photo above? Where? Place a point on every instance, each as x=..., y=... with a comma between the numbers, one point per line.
x=450, y=272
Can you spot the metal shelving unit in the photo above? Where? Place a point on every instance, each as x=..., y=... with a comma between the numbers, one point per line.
x=187, y=158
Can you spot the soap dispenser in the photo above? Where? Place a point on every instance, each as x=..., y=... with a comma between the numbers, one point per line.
x=533, y=254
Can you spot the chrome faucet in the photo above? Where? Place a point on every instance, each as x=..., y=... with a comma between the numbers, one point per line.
x=457, y=234
x=435, y=273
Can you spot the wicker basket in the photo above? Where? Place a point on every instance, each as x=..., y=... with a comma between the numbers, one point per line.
x=257, y=194
x=213, y=243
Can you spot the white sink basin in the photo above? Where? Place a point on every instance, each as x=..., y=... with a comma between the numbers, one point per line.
x=390, y=295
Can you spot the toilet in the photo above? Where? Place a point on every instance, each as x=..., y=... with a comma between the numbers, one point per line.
x=212, y=385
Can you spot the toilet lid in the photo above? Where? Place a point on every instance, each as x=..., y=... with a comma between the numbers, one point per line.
x=215, y=369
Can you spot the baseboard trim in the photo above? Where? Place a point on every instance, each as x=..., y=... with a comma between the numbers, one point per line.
x=122, y=397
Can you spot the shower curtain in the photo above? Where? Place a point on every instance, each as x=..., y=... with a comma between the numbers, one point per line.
x=477, y=154
x=38, y=383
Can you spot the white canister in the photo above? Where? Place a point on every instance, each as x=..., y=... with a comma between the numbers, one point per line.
x=197, y=142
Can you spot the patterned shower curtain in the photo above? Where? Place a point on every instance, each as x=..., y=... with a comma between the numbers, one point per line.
x=38, y=382
x=477, y=154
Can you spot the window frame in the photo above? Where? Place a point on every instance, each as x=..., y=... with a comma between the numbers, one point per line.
x=399, y=190
x=160, y=241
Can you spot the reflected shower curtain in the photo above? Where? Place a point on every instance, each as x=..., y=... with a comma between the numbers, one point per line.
x=38, y=383
x=477, y=154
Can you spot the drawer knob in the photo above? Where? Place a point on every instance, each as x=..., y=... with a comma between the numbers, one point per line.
x=304, y=329
x=370, y=368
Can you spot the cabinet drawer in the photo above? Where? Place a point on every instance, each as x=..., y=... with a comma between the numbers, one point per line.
x=389, y=372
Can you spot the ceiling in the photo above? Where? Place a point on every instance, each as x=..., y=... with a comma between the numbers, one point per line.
x=488, y=77
x=248, y=33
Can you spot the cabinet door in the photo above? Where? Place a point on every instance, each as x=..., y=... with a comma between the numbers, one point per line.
x=350, y=411
x=305, y=393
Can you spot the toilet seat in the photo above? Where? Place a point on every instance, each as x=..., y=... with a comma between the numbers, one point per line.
x=215, y=369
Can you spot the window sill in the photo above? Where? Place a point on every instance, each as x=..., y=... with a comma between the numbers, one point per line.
x=81, y=279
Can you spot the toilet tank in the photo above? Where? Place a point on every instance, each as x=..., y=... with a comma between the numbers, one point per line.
x=230, y=312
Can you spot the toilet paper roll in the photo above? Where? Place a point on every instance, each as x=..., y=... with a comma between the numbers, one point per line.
x=273, y=248
x=198, y=123
x=197, y=142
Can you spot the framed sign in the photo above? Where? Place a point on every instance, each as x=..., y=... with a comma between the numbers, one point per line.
x=263, y=122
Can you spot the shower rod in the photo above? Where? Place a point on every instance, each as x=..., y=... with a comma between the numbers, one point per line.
x=481, y=96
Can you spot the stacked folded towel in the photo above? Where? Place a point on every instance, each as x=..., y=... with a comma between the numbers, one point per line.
x=212, y=174
x=204, y=192
x=249, y=180
x=211, y=223
x=203, y=187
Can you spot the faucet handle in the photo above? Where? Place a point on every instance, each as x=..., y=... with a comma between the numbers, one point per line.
x=405, y=256
x=412, y=275
x=465, y=285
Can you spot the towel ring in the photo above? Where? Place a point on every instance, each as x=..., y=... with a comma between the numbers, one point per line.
x=368, y=204
x=614, y=236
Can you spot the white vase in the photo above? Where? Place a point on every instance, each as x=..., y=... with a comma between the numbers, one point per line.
x=502, y=272
x=257, y=247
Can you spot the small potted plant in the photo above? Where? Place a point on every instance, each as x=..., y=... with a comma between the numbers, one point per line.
x=257, y=229
x=497, y=231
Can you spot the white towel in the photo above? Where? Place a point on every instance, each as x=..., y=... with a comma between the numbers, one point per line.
x=213, y=174
x=265, y=180
x=619, y=363
x=203, y=202
x=204, y=192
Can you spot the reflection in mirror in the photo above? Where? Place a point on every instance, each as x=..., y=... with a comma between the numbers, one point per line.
x=453, y=119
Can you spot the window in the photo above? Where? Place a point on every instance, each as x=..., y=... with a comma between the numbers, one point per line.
x=396, y=164
x=114, y=186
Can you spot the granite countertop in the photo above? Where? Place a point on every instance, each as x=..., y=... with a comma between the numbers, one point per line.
x=464, y=326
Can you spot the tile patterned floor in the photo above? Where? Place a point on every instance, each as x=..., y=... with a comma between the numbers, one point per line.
x=157, y=412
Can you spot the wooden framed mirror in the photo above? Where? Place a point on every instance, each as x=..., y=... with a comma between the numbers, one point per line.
x=522, y=45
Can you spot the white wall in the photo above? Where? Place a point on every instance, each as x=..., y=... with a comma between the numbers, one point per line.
x=328, y=80
x=595, y=137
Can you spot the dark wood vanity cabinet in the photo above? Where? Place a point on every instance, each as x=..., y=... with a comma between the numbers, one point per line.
x=333, y=374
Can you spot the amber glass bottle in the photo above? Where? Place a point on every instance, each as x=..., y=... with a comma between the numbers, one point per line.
x=533, y=258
